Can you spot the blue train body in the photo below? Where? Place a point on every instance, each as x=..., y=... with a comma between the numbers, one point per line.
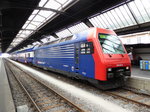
x=62, y=57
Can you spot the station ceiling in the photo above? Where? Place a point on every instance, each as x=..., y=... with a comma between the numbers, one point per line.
x=15, y=18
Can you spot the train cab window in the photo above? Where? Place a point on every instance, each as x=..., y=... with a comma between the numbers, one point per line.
x=87, y=48
x=111, y=44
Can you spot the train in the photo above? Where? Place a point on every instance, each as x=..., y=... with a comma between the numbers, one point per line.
x=96, y=55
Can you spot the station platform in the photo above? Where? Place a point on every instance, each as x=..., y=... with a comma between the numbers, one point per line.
x=6, y=101
x=140, y=80
x=136, y=71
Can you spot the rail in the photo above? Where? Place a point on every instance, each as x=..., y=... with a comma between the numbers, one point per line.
x=42, y=99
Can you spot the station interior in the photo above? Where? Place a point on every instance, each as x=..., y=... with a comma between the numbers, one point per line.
x=26, y=24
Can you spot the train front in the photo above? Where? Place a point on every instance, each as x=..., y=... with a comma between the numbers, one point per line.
x=112, y=63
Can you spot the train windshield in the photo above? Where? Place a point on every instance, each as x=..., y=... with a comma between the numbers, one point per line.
x=111, y=44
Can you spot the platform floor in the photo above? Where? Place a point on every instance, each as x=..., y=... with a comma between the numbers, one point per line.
x=136, y=71
x=6, y=102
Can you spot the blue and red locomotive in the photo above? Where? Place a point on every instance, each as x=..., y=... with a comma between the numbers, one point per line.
x=96, y=55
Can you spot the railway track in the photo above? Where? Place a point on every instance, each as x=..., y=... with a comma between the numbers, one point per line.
x=43, y=98
x=128, y=95
x=123, y=94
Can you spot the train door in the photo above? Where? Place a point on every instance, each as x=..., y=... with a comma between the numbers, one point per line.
x=25, y=58
x=77, y=51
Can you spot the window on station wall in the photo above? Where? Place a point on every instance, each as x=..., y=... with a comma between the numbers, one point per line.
x=16, y=41
x=110, y=20
x=145, y=39
x=78, y=27
x=121, y=13
x=114, y=19
x=63, y=33
x=129, y=14
x=141, y=10
x=72, y=30
x=48, y=39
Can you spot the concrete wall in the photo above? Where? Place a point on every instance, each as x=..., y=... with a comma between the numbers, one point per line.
x=139, y=83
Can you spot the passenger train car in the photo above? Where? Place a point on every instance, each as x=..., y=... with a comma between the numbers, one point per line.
x=24, y=56
x=96, y=55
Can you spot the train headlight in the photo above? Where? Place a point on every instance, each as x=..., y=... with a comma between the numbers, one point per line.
x=127, y=68
x=109, y=69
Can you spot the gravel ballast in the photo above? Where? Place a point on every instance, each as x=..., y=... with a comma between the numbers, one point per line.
x=90, y=97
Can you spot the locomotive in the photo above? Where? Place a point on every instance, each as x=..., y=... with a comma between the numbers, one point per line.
x=96, y=55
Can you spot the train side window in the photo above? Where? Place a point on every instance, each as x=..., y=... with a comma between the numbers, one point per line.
x=90, y=48
x=82, y=50
x=88, y=51
x=82, y=45
x=87, y=48
x=87, y=45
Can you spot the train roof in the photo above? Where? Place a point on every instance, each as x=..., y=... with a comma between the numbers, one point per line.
x=24, y=50
x=75, y=38
x=71, y=39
